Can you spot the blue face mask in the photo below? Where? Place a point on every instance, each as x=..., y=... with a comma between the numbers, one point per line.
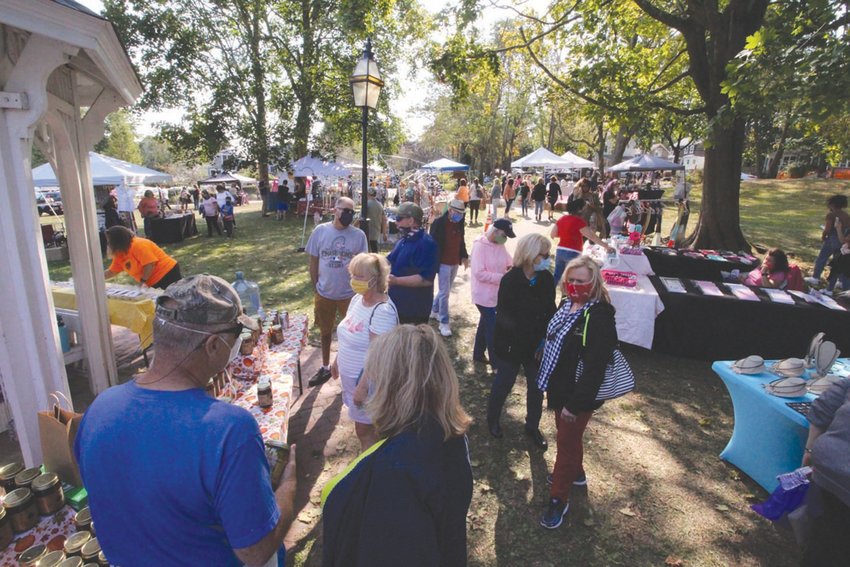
x=456, y=217
x=543, y=265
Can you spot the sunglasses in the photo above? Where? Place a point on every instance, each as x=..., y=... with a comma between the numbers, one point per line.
x=544, y=256
x=345, y=210
x=236, y=330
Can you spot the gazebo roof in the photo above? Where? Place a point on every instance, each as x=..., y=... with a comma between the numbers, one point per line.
x=78, y=7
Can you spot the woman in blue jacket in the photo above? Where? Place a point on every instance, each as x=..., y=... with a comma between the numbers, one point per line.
x=404, y=500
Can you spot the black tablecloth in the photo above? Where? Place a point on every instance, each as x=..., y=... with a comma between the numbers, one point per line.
x=679, y=266
x=727, y=328
x=172, y=229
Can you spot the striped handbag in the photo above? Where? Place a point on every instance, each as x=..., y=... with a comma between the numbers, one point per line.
x=619, y=379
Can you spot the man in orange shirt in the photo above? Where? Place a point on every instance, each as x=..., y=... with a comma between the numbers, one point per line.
x=142, y=259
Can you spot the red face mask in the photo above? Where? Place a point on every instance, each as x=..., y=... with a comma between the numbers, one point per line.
x=579, y=292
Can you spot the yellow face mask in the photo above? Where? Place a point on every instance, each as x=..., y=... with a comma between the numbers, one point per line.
x=359, y=286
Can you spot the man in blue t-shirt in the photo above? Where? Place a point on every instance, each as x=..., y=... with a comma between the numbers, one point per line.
x=414, y=262
x=174, y=476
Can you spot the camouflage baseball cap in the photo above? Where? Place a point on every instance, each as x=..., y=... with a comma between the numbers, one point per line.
x=202, y=300
x=410, y=210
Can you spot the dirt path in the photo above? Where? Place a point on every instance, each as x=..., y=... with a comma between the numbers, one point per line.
x=657, y=492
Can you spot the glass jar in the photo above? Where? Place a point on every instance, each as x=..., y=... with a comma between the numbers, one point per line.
x=71, y=562
x=7, y=475
x=6, y=535
x=52, y=559
x=90, y=551
x=276, y=335
x=49, y=496
x=74, y=544
x=82, y=520
x=102, y=560
x=21, y=509
x=32, y=555
x=265, y=396
x=248, y=343
x=24, y=478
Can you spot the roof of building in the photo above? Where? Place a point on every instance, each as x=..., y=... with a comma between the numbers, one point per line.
x=78, y=7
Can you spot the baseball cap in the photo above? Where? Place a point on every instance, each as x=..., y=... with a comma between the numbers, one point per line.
x=202, y=300
x=372, y=191
x=457, y=204
x=505, y=226
x=410, y=210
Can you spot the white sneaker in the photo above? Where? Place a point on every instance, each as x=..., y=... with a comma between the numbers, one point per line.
x=445, y=330
x=811, y=281
x=434, y=315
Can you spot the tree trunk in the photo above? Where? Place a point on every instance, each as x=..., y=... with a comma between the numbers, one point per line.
x=622, y=140
x=304, y=86
x=600, y=147
x=776, y=158
x=720, y=214
x=261, y=141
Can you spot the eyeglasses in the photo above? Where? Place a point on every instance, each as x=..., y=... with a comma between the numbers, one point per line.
x=544, y=256
x=345, y=210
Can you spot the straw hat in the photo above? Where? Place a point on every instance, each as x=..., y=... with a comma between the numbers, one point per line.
x=753, y=364
x=791, y=387
x=789, y=367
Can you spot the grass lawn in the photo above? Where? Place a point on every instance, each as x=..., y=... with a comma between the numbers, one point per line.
x=657, y=493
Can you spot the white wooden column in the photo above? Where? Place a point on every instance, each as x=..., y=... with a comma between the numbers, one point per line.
x=70, y=150
x=31, y=363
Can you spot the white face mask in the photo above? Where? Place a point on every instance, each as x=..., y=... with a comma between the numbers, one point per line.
x=234, y=350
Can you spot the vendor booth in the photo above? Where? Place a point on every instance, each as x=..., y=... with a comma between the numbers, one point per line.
x=105, y=170
x=444, y=164
x=63, y=71
x=577, y=162
x=541, y=158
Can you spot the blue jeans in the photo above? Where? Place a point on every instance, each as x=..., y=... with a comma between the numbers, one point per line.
x=484, y=333
x=538, y=209
x=562, y=258
x=503, y=383
x=829, y=247
x=445, y=278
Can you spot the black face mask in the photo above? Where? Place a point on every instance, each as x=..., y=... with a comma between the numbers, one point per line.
x=346, y=217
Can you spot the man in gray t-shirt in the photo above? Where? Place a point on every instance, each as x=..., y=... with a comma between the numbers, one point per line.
x=331, y=247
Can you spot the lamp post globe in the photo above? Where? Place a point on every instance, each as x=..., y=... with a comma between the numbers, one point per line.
x=366, y=86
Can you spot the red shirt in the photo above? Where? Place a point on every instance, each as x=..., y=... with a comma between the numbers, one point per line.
x=569, y=232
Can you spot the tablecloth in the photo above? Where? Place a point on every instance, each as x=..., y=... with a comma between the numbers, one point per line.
x=669, y=262
x=167, y=230
x=637, y=309
x=135, y=314
x=50, y=531
x=768, y=437
x=280, y=364
x=711, y=328
x=637, y=263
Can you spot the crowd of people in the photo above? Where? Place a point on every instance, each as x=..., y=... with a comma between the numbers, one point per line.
x=398, y=383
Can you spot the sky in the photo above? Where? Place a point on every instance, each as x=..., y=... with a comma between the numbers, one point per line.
x=411, y=88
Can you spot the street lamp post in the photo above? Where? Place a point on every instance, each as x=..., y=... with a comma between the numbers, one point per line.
x=366, y=86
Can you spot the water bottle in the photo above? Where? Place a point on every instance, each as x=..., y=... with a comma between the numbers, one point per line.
x=249, y=294
x=64, y=339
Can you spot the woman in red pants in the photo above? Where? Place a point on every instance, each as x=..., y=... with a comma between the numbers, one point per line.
x=582, y=330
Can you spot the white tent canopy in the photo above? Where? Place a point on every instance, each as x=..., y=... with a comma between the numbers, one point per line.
x=646, y=162
x=309, y=166
x=105, y=170
x=228, y=178
x=577, y=162
x=541, y=157
x=444, y=164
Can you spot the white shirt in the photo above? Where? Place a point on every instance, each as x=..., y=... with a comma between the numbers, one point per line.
x=353, y=333
x=221, y=198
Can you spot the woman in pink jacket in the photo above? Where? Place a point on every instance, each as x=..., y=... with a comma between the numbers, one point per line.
x=490, y=261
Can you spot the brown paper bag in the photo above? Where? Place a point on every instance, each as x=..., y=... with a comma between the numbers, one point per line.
x=57, y=429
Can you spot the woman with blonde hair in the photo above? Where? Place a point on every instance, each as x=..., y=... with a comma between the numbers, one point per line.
x=581, y=331
x=525, y=304
x=370, y=313
x=404, y=501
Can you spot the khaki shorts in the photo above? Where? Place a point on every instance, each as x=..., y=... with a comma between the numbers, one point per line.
x=325, y=312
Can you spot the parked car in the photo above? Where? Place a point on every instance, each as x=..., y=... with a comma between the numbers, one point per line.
x=48, y=204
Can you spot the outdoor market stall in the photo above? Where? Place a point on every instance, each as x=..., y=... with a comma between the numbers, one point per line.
x=279, y=362
x=105, y=170
x=769, y=434
x=541, y=158
x=711, y=320
x=698, y=264
x=172, y=228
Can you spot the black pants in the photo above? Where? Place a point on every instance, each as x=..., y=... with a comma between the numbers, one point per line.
x=212, y=222
x=503, y=383
x=473, y=210
x=373, y=246
x=172, y=276
x=412, y=320
x=829, y=545
x=228, y=227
